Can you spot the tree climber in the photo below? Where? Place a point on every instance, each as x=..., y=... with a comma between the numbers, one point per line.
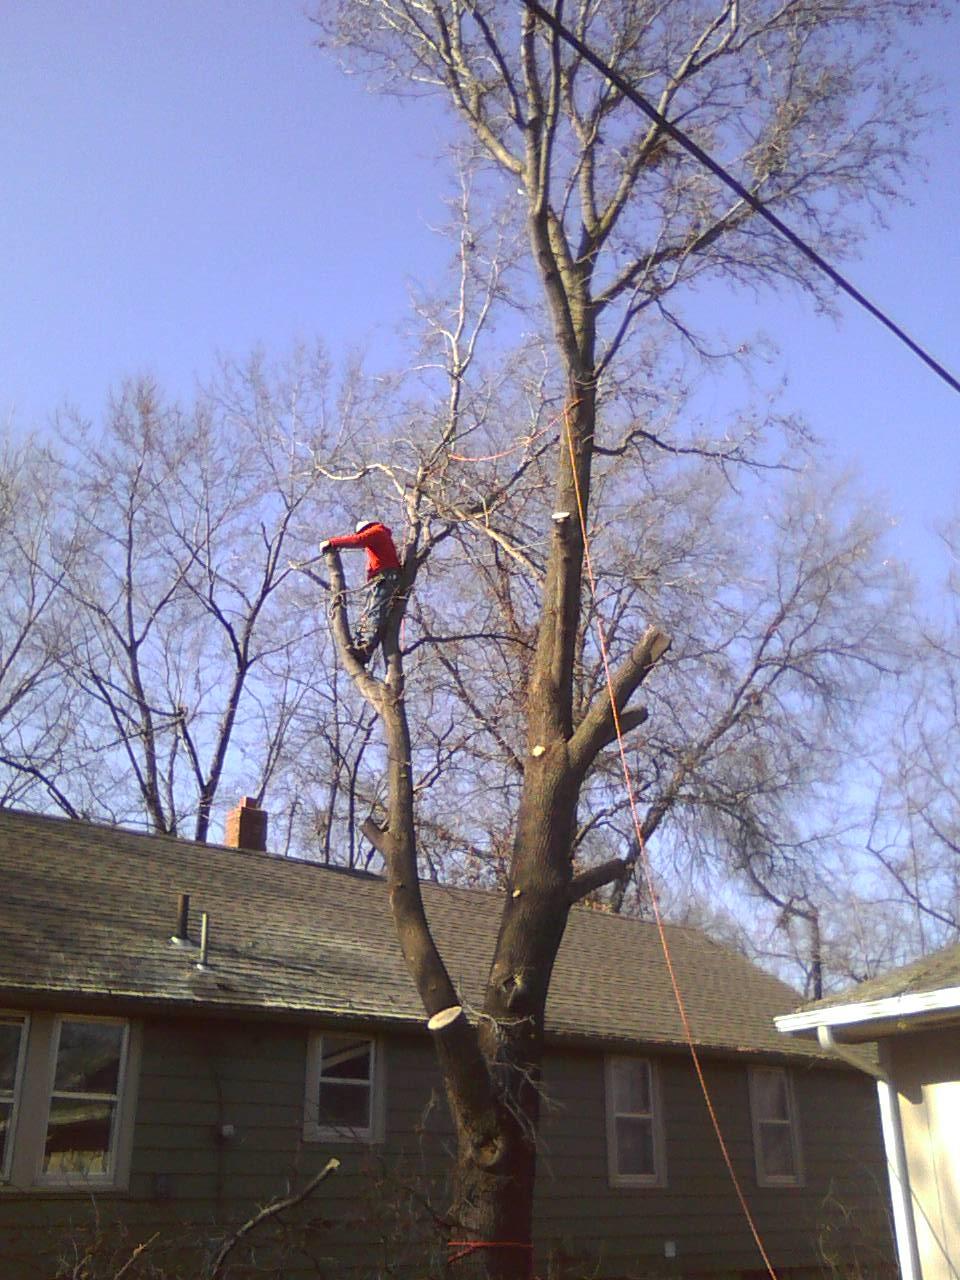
x=383, y=578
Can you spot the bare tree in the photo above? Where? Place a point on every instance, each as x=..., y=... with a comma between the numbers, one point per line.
x=37, y=547
x=915, y=832
x=800, y=101
x=179, y=655
x=329, y=773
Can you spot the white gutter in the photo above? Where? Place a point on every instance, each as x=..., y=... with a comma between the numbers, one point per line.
x=903, y=1006
x=898, y=1171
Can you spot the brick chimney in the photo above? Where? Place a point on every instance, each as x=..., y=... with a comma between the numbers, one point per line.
x=246, y=826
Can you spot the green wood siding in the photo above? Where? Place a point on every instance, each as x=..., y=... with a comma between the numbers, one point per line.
x=194, y=1186
x=625, y=1229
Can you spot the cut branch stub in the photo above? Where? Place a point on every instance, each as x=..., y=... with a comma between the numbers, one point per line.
x=469, y=1086
x=379, y=838
x=443, y=1019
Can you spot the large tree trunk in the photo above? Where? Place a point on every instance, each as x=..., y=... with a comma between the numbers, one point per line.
x=495, y=1208
x=494, y=1201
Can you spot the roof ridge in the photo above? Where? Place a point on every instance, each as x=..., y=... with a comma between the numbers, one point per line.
x=184, y=841
x=428, y=886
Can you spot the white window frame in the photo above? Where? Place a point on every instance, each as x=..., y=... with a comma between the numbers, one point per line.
x=24, y=1021
x=313, y=1130
x=616, y=1178
x=765, y=1179
x=86, y=1179
x=37, y=1070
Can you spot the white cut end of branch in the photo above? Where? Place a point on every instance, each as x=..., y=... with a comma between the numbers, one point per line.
x=538, y=750
x=517, y=893
x=559, y=516
x=444, y=1017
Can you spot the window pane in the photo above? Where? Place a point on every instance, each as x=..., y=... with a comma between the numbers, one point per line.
x=344, y=1106
x=631, y=1086
x=78, y=1137
x=777, y=1151
x=88, y=1060
x=345, y=1058
x=6, y=1112
x=9, y=1052
x=635, y=1146
x=770, y=1090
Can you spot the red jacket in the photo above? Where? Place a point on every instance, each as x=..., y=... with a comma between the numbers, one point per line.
x=377, y=541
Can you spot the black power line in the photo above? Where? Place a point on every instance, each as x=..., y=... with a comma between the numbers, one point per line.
x=730, y=181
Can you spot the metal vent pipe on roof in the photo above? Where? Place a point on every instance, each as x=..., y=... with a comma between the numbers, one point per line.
x=204, y=939
x=182, y=934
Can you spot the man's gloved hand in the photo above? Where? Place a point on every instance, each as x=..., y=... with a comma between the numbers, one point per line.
x=324, y=546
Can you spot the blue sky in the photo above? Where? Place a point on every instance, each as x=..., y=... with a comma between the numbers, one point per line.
x=192, y=176
x=183, y=178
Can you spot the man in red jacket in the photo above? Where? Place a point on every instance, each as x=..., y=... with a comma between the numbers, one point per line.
x=383, y=578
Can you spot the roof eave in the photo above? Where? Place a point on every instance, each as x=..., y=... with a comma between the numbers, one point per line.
x=133, y=1003
x=866, y=1019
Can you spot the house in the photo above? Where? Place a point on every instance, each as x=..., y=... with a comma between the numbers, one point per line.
x=189, y=1031
x=912, y=1014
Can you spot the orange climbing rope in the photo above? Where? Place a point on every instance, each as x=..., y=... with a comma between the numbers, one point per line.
x=645, y=860
x=467, y=1247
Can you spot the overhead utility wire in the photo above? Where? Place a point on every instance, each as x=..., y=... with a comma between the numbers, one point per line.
x=729, y=180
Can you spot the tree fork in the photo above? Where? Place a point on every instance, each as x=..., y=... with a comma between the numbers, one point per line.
x=598, y=728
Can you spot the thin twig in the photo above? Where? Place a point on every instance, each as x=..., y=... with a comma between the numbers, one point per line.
x=141, y=1248
x=269, y=1211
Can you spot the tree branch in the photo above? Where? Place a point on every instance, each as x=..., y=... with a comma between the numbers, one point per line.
x=378, y=837
x=597, y=877
x=598, y=728
x=270, y=1211
x=369, y=687
x=468, y=1082
x=140, y=1248
x=34, y=771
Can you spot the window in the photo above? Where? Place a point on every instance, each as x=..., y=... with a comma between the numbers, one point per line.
x=634, y=1132
x=343, y=1099
x=66, y=1100
x=775, y=1137
x=81, y=1125
x=12, y=1041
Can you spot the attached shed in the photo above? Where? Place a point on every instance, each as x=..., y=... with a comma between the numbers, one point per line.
x=912, y=1015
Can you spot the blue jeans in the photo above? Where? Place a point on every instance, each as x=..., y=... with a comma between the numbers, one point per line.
x=373, y=618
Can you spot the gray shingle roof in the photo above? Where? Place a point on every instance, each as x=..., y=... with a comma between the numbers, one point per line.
x=88, y=910
x=936, y=972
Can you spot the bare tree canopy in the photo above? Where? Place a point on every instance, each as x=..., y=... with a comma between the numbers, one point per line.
x=143, y=599
x=915, y=831
x=37, y=547
x=799, y=101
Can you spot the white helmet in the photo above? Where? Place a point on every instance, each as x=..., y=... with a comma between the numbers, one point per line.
x=363, y=524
